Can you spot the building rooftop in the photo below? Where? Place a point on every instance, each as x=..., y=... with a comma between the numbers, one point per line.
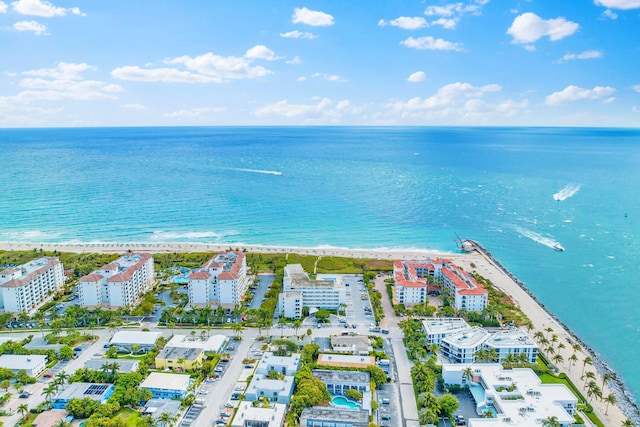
x=328, y=375
x=510, y=338
x=163, y=381
x=124, y=365
x=135, y=337
x=127, y=265
x=345, y=360
x=22, y=275
x=468, y=338
x=298, y=278
x=329, y=413
x=273, y=414
x=156, y=407
x=20, y=361
x=527, y=404
x=213, y=343
x=175, y=353
x=359, y=342
x=50, y=418
x=441, y=325
x=268, y=359
x=82, y=390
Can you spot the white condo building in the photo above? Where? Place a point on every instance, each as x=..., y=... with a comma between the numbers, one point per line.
x=438, y=328
x=412, y=283
x=26, y=287
x=515, y=397
x=221, y=281
x=462, y=345
x=298, y=291
x=118, y=284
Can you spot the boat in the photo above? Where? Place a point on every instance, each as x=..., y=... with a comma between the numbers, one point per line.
x=558, y=247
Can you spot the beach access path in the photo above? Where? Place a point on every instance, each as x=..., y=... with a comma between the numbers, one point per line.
x=540, y=318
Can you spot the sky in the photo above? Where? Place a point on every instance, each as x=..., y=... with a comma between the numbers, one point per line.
x=78, y=63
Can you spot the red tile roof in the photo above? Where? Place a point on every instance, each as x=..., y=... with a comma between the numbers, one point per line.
x=199, y=275
x=126, y=275
x=93, y=277
x=16, y=283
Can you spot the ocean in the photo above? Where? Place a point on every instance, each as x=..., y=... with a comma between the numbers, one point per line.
x=518, y=191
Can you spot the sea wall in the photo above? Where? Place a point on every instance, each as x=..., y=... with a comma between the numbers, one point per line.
x=626, y=400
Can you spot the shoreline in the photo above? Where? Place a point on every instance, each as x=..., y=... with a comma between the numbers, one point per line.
x=625, y=400
x=486, y=265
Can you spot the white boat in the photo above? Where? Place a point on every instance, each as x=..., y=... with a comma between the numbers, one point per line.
x=558, y=247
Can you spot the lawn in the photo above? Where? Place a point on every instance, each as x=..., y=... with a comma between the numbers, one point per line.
x=130, y=417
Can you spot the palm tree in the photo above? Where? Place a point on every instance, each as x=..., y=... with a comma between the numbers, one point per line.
x=49, y=390
x=627, y=423
x=538, y=336
x=551, y=422
x=237, y=329
x=480, y=355
x=573, y=359
x=589, y=375
x=587, y=361
x=166, y=419
x=297, y=324
x=549, y=330
x=23, y=409
x=492, y=355
x=606, y=377
x=610, y=400
x=576, y=347
x=61, y=378
x=593, y=390
x=468, y=374
x=62, y=423
x=557, y=359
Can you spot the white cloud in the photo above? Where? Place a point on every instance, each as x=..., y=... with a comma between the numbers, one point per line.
x=329, y=77
x=295, y=60
x=406, y=23
x=3, y=7
x=447, y=96
x=417, y=77
x=450, y=14
x=322, y=110
x=619, y=4
x=587, y=54
x=610, y=14
x=314, y=18
x=261, y=52
x=59, y=83
x=636, y=88
x=34, y=26
x=137, y=107
x=206, y=68
x=446, y=23
x=430, y=43
x=446, y=10
x=301, y=79
x=529, y=27
x=574, y=93
x=42, y=8
x=295, y=34
x=194, y=112
x=635, y=109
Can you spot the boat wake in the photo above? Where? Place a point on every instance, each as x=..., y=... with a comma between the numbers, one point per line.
x=569, y=190
x=262, y=171
x=539, y=238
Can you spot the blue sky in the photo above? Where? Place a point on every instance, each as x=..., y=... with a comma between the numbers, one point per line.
x=355, y=62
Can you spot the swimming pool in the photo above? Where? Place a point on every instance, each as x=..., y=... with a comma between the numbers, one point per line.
x=343, y=401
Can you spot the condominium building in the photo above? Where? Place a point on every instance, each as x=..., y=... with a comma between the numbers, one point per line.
x=299, y=291
x=118, y=284
x=514, y=396
x=414, y=280
x=221, y=281
x=26, y=287
x=247, y=415
x=438, y=328
x=463, y=346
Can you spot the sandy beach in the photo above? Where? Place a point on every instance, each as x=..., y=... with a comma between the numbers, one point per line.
x=484, y=265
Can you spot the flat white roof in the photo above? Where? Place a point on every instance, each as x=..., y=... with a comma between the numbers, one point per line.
x=291, y=363
x=160, y=380
x=440, y=325
x=213, y=343
x=274, y=414
x=527, y=405
x=511, y=338
x=468, y=338
x=22, y=361
x=135, y=337
x=345, y=360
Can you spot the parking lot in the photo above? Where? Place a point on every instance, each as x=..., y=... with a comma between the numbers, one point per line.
x=359, y=310
x=263, y=285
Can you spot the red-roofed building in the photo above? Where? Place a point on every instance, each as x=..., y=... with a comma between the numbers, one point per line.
x=415, y=279
x=221, y=281
x=118, y=284
x=26, y=287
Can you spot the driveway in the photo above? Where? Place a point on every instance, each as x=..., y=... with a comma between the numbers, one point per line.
x=264, y=283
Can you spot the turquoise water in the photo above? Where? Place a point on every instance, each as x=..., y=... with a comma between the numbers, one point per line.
x=343, y=401
x=358, y=188
x=478, y=393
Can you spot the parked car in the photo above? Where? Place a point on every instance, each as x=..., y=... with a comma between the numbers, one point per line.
x=48, y=375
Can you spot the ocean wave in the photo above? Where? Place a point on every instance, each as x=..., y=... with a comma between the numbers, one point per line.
x=567, y=191
x=29, y=235
x=538, y=238
x=163, y=236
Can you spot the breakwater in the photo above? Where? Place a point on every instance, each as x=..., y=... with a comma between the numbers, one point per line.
x=625, y=400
